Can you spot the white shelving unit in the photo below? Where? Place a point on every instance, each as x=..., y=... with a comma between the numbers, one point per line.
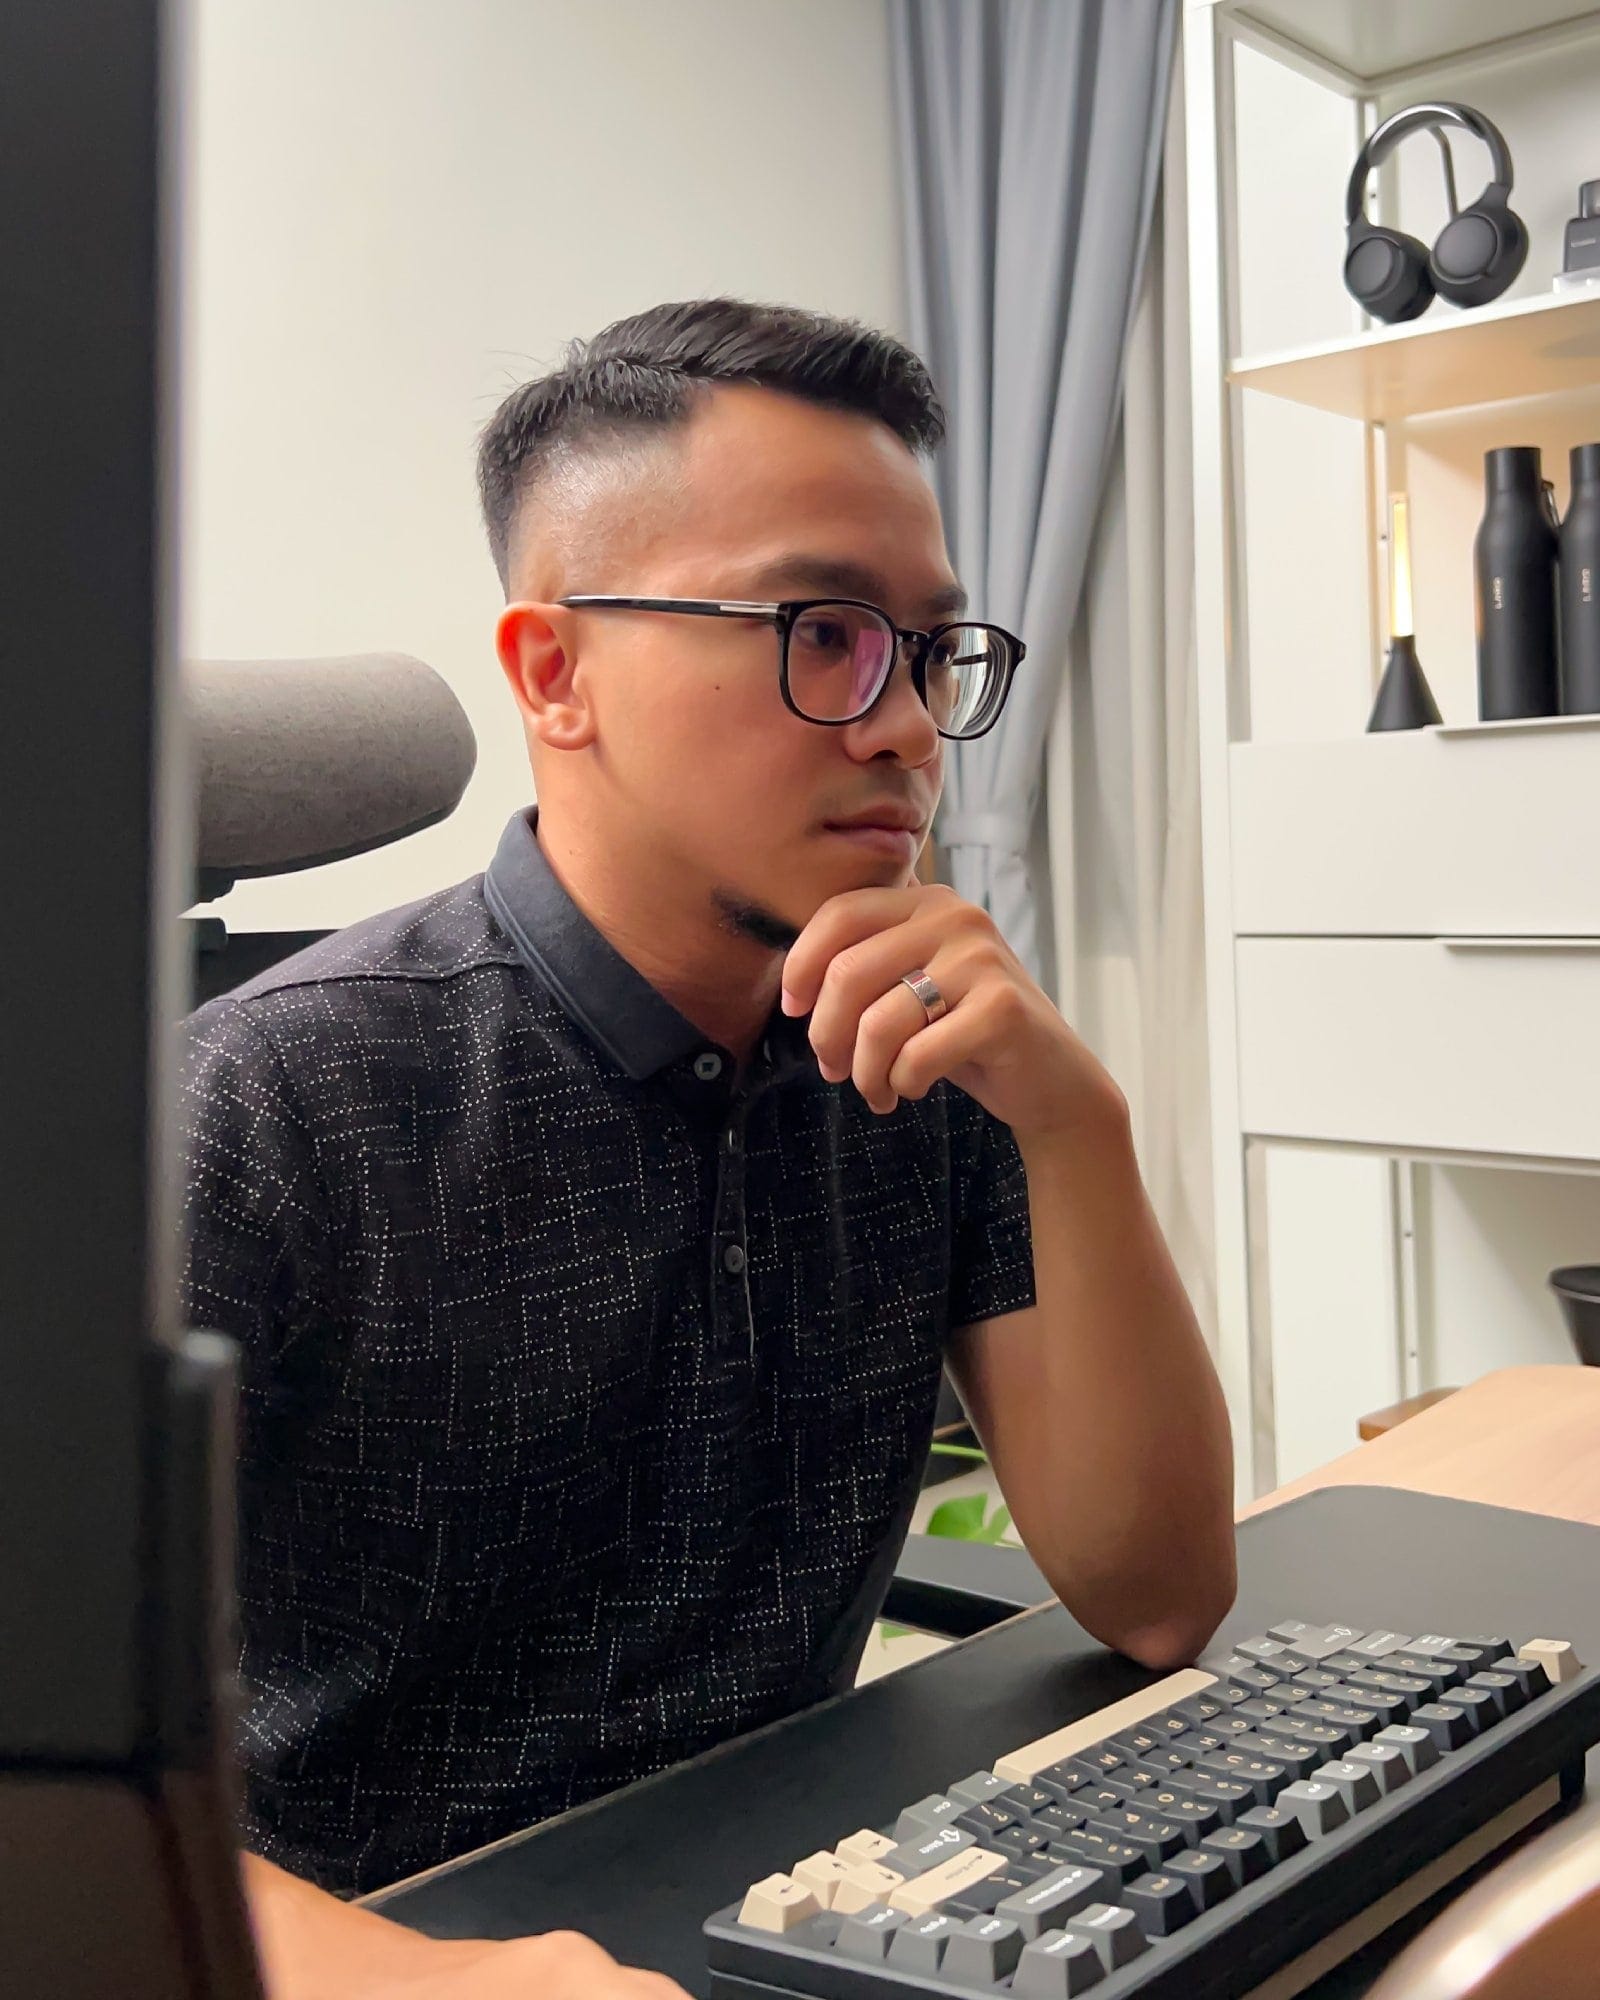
x=1403, y=931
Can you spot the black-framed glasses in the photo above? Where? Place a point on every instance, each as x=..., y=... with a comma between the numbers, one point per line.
x=836, y=656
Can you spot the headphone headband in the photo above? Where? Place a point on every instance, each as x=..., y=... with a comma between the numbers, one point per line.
x=1424, y=118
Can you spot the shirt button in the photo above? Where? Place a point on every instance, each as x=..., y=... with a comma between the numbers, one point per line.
x=708, y=1067
x=732, y=1138
x=733, y=1259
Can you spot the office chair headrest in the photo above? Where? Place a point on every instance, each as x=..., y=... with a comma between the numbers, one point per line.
x=300, y=762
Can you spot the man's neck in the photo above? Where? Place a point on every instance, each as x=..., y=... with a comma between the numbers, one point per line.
x=725, y=983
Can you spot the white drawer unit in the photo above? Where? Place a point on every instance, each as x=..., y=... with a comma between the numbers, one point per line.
x=1470, y=1045
x=1421, y=833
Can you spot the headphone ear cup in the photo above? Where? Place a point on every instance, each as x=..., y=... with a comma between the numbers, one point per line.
x=1478, y=253
x=1387, y=272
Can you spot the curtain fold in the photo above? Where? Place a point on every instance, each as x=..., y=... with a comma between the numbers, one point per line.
x=1031, y=143
x=1123, y=786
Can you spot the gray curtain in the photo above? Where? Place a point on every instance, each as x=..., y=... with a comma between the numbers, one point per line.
x=1031, y=138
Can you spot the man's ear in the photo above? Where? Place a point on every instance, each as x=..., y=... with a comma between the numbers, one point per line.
x=537, y=648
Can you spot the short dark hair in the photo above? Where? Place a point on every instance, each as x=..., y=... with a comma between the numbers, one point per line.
x=649, y=371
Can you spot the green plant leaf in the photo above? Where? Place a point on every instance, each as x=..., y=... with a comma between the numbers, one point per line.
x=960, y=1520
x=888, y=1633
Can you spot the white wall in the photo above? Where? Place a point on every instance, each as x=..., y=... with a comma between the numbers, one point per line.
x=397, y=210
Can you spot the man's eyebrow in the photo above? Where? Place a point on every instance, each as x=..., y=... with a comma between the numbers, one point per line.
x=822, y=575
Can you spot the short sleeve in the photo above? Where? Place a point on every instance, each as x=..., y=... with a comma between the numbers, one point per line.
x=991, y=1265
x=253, y=1218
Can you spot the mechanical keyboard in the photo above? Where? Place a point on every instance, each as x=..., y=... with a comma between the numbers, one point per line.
x=1235, y=1829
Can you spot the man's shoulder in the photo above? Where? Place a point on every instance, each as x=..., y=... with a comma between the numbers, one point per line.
x=413, y=958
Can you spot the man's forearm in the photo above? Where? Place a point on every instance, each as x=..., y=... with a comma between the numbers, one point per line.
x=313, y=1947
x=1105, y=1421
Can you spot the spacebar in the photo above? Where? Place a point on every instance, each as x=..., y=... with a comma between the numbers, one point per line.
x=1020, y=1767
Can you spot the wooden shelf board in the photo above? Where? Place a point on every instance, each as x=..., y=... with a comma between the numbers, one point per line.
x=1447, y=360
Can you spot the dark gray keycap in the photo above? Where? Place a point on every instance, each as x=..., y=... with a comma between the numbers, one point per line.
x=1264, y=1707
x=1117, y=1860
x=924, y=1851
x=1281, y=1833
x=1125, y=1790
x=1102, y=1759
x=1226, y=1798
x=1478, y=1705
x=1377, y=1644
x=1317, y=1679
x=1026, y=1798
x=1265, y=1779
x=1487, y=1650
x=1140, y=1775
x=1247, y=1674
x=1171, y=1722
x=1053, y=1820
x=1355, y=1783
x=981, y=1785
x=1448, y=1725
x=1157, y=1839
x=1096, y=1799
x=983, y=1951
x=927, y=1815
x=1201, y=1710
x=919, y=1945
x=1161, y=1903
x=1439, y=1674
x=1431, y=1642
x=1315, y=1642
x=1415, y=1745
x=818, y=1933
x=1029, y=1867
x=1053, y=1898
x=1263, y=1650
x=984, y=1820
x=1385, y=1706
x=981, y=1899
x=1058, y=1966
x=1531, y=1679
x=1020, y=1840
x=1160, y=1761
x=1204, y=1874
x=1410, y=1688
x=1244, y=1852
x=1114, y=1933
x=1136, y=1743
x=1384, y=1761
x=1361, y=1722
x=1328, y=1738
x=1501, y=1689
x=1316, y=1804
x=1297, y=1757
x=867, y=1934
x=1063, y=1779
x=1201, y=1742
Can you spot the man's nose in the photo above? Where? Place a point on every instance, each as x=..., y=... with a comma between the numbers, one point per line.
x=900, y=726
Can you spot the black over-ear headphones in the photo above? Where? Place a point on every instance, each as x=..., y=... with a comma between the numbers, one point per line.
x=1479, y=251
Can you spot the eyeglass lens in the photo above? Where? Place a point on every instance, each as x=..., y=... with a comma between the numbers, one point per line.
x=840, y=655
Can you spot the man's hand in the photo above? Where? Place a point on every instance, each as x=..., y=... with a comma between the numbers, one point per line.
x=314, y=1947
x=1002, y=1041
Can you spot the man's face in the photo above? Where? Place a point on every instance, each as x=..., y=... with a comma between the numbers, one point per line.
x=695, y=754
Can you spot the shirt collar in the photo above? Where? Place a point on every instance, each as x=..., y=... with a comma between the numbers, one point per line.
x=609, y=999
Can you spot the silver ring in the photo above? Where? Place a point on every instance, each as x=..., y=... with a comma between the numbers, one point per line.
x=934, y=1004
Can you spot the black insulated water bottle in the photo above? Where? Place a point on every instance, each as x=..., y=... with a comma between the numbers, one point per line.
x=1580, y=587
x=1515, y=561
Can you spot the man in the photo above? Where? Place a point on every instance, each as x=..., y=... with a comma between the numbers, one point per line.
x=595, y=1231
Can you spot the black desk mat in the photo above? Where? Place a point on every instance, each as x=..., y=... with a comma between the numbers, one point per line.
x=641, y=1870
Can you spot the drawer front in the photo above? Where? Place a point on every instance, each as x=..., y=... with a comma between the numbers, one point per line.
x=1470, y=1045
x=1417, y=834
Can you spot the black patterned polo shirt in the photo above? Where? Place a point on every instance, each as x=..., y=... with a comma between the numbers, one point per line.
x=586, y=1384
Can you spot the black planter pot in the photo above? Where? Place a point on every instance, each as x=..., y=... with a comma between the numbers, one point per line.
x=1577, y=1286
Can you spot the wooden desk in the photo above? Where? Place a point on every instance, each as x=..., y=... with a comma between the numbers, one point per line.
x=1522, y=1437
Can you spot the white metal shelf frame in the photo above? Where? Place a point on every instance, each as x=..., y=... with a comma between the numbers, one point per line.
x=1359, y=49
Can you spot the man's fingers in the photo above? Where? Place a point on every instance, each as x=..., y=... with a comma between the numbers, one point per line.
x=843, y=921
x=882, y=1032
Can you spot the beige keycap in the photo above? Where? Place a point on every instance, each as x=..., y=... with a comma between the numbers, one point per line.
x=927, y=1891
x=821, y=1873
x=777, y=1904
x=1021, y=1767
x=864, y=1846
x=867, y=1883
x=1556, y=1656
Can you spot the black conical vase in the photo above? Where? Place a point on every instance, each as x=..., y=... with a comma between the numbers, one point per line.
x=1405, y=700
x=1577, y=1286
